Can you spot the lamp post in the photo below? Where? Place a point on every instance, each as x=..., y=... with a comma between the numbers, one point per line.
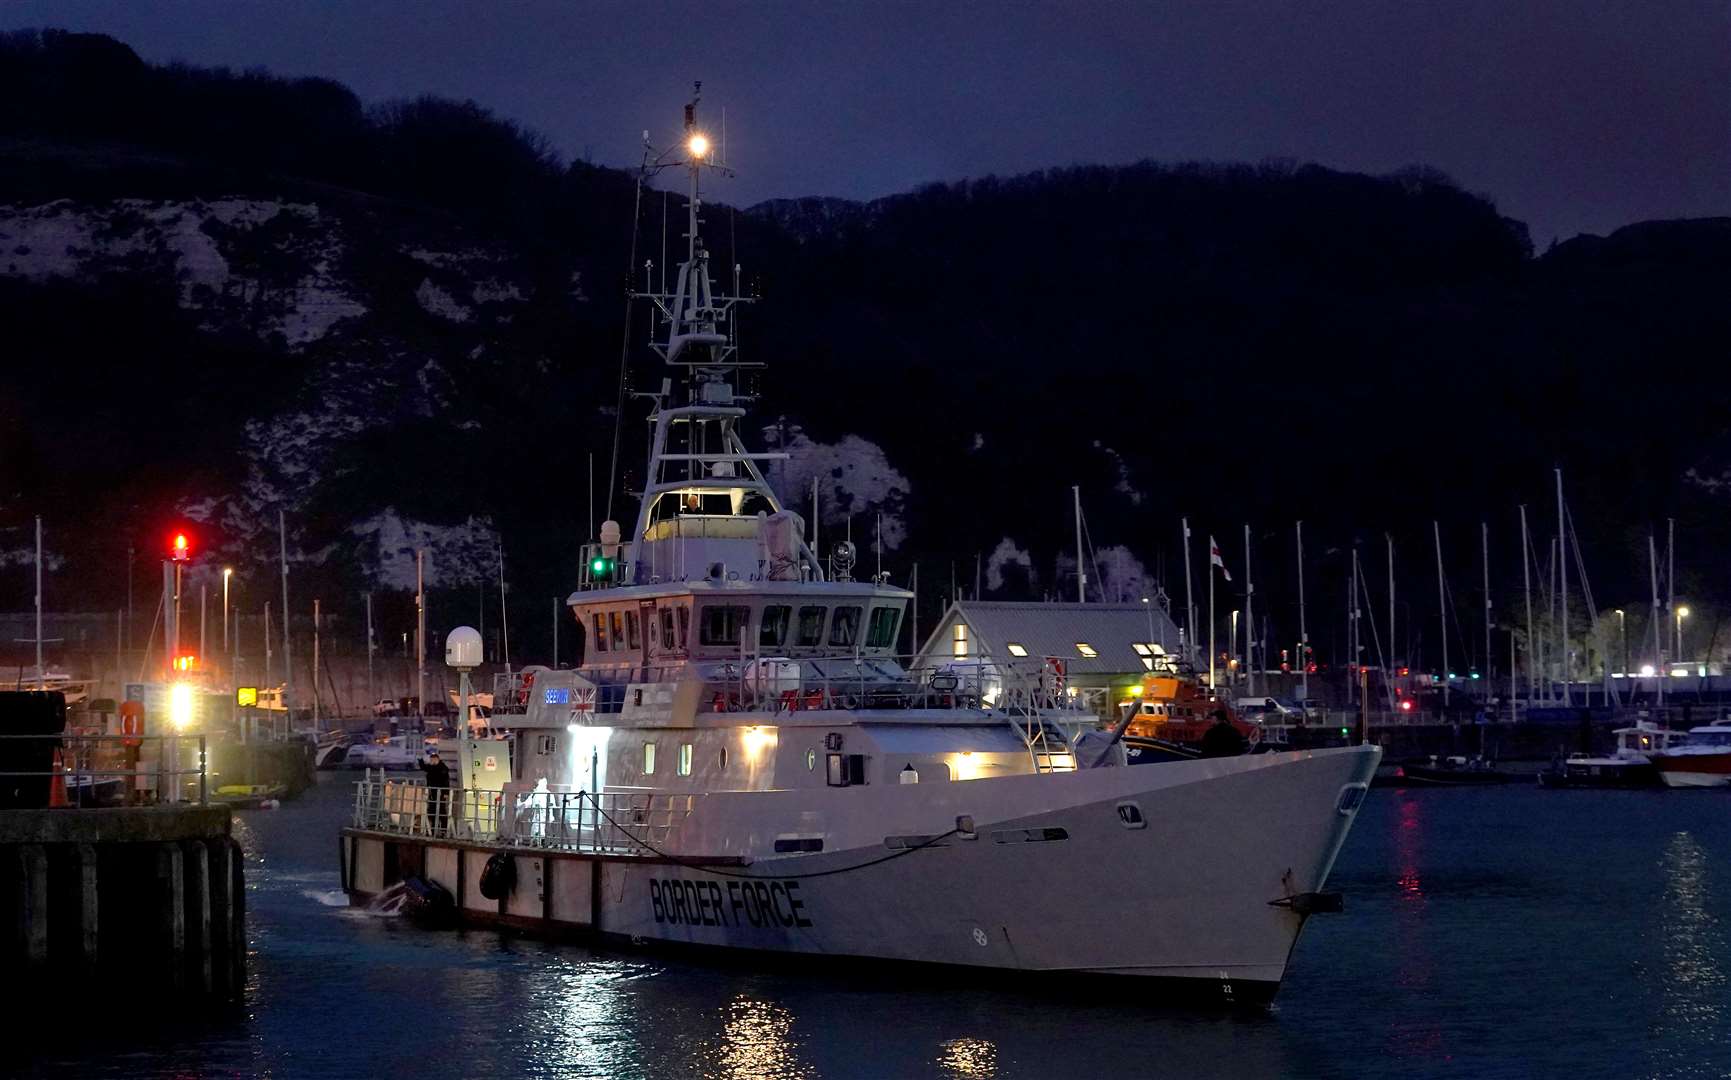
x=227, y=572
x=1682, y=613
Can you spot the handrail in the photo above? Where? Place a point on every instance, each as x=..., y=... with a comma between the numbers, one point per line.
x=84, y=752
x=604, y=823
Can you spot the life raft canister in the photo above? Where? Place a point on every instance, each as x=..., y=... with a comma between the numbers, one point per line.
x=528, y=685
x=498, y=876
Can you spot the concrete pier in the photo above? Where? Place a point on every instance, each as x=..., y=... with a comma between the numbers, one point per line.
x=145, y=897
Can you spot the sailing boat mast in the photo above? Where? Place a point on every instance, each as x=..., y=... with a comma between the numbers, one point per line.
x=1081, y=573
x=1485, y=559
x=41, y=672
x=1653, y=620
x=1527, y=586
x=1189, y=600
x=1303, y=634
x=1563, y=570
x=1249, y=621
x=1442, y=610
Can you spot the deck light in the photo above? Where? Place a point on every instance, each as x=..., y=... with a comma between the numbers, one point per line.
x=180, y=705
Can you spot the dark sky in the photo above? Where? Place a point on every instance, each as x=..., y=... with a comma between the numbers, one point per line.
x=1574, y=115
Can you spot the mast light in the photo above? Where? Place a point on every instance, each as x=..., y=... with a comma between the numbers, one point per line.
x=698, y=145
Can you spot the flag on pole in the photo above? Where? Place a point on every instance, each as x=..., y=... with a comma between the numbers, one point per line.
x=1214, y=557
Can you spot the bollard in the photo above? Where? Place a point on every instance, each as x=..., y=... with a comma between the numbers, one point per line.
x=171, y=913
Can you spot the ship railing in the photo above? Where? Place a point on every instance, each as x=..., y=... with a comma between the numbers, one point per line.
x=890, y=682
x=88, y=770
x=604, y=823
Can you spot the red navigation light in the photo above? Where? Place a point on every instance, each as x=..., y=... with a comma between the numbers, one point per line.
x=180, y=549
x=1406, y=705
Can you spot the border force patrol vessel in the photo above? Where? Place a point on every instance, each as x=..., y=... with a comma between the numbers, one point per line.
x=742, y=762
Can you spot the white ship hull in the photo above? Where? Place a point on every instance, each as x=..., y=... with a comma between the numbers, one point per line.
x=1201, y=892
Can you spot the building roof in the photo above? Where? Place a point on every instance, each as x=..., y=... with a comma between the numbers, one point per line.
x=1110, y=630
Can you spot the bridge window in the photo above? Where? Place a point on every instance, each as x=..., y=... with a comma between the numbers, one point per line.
x=722, y=624
x=810, y=627
x=844, y=628
x=684, y=625
x=631, y=630
x=882, y=634
x=600, y=632
x=618, y=630
x=772, y=632
x=667, y=628
x=684, y=759
x=648, y=759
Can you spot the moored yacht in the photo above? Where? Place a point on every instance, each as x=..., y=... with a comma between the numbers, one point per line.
x=742, y=761
x=1703, y=761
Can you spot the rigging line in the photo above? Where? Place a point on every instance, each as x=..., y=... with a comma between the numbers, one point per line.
x=709, y=869
x=624, y=350
x=1376, y=639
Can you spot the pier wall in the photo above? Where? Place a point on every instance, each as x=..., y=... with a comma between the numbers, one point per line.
x=146, y=898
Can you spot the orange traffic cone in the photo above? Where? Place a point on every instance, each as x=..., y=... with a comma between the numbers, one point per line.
x=57, y=783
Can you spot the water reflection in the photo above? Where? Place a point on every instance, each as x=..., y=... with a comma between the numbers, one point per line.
x=969, y=1059
x=590, y=1031
x=757, y=1041
x=1691, y=945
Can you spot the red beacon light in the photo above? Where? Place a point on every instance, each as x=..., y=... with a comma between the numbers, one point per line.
x=1406, y=704
x=179, y=548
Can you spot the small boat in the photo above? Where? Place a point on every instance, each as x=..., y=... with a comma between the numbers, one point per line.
x=1703, y=761
x=1630, y=767
x=392, y=753
x=1174, y=716
x=1454, y=771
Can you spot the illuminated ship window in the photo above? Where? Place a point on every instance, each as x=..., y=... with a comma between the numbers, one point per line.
x=1086, y=649
x=1017, y=649
x=684, y=759
x=648, y=759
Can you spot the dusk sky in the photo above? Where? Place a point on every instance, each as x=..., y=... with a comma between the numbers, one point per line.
x=1573, y=116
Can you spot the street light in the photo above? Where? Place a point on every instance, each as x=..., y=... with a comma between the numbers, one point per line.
x=1682, y=613
x=1623, y=629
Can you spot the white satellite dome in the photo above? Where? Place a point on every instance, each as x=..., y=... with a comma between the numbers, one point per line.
x=463, y=648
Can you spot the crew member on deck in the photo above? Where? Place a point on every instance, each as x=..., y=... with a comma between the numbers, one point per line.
x=438, y=791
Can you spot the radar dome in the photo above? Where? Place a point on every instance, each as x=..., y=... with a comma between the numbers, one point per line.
x=463, y=648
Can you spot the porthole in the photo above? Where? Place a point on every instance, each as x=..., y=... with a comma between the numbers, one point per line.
x=811, y=761
x=721, y=758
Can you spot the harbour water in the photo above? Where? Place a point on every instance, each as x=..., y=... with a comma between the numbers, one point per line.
x=1494, y=932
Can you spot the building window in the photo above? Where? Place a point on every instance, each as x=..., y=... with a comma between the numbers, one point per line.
x=1017, y=649
x=684, y=759
x=882, y=633
x=810, y=627
x=959, y=639
x=772, y=631
x=648, y=759
x=1086, y=649
x=844, y=627
x=1141, y=649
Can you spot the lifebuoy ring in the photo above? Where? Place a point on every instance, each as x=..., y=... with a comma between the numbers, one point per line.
x=1056, y=663
x=131, y=722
